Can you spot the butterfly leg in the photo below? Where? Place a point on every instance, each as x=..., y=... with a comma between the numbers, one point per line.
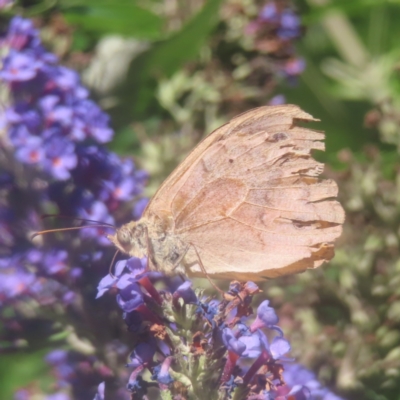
x=205, y=272
x=150, y=258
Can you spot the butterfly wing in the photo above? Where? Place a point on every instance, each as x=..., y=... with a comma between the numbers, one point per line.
x=249, y=199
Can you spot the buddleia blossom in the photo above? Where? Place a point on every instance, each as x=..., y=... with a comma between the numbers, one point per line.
x=195, y=347
x=53, y=160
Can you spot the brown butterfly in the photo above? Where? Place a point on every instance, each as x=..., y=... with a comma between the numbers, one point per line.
x=245, y=204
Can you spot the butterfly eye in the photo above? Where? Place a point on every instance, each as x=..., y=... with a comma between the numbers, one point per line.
x=124, y=238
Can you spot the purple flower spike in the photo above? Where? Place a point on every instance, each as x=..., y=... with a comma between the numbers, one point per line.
x=54, y=162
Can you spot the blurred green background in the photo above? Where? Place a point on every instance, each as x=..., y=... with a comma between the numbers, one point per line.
x=169, y=72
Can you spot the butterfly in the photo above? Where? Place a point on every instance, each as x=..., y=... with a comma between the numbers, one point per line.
x=247, y=203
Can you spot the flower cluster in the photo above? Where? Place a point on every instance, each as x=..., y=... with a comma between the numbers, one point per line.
x=53, y=160
x=191, y=346
x=274, y=31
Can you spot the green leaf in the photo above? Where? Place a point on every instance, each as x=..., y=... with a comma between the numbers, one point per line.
x=119, y=17
x=166, y=57
x=20, y=369
x=349, y=8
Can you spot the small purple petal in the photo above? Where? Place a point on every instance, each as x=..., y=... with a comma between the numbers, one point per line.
x=186, y=292
x=279, y=347
x=143, y=354
x=100, y=395
x=105, y=284
x=231, y=343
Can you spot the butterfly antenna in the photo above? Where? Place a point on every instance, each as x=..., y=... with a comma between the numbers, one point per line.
x=45, y=216
x=74, y=228
x=112, y=264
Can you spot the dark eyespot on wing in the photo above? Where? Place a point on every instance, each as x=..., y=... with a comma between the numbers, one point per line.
x=277, y=137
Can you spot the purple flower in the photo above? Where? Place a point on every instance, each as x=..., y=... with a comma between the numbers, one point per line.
x=130, y=296
x=105, y=284
x=270, y=13
x=15, y=283
x=231, y=343
x=277, y=100
x=186, y=292
x=67, y=81
x=266, y=317
x=136, y=266
x=90, y=120
x=294, y=67
x=161, y=372
x=142, y=355
x=279, y=347
x=289, y=25
x=23, y=115
x=298, y=375
x=253, y=344
x=32, y=152
x=22, y=33
x=22, y=394
x=59, y=116
x=56, y=262
x=60, y=157
x=100, y=395
x=57, y=357
x=19, y=67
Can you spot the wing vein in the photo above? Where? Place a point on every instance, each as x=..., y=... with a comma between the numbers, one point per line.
x=278, y=209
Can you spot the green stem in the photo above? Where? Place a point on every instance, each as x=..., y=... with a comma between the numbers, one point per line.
x=343, y=36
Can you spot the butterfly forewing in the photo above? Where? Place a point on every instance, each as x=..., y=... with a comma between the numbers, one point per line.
x=248, y=198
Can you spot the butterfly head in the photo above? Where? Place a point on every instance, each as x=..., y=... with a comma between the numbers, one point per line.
x=131, y=239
